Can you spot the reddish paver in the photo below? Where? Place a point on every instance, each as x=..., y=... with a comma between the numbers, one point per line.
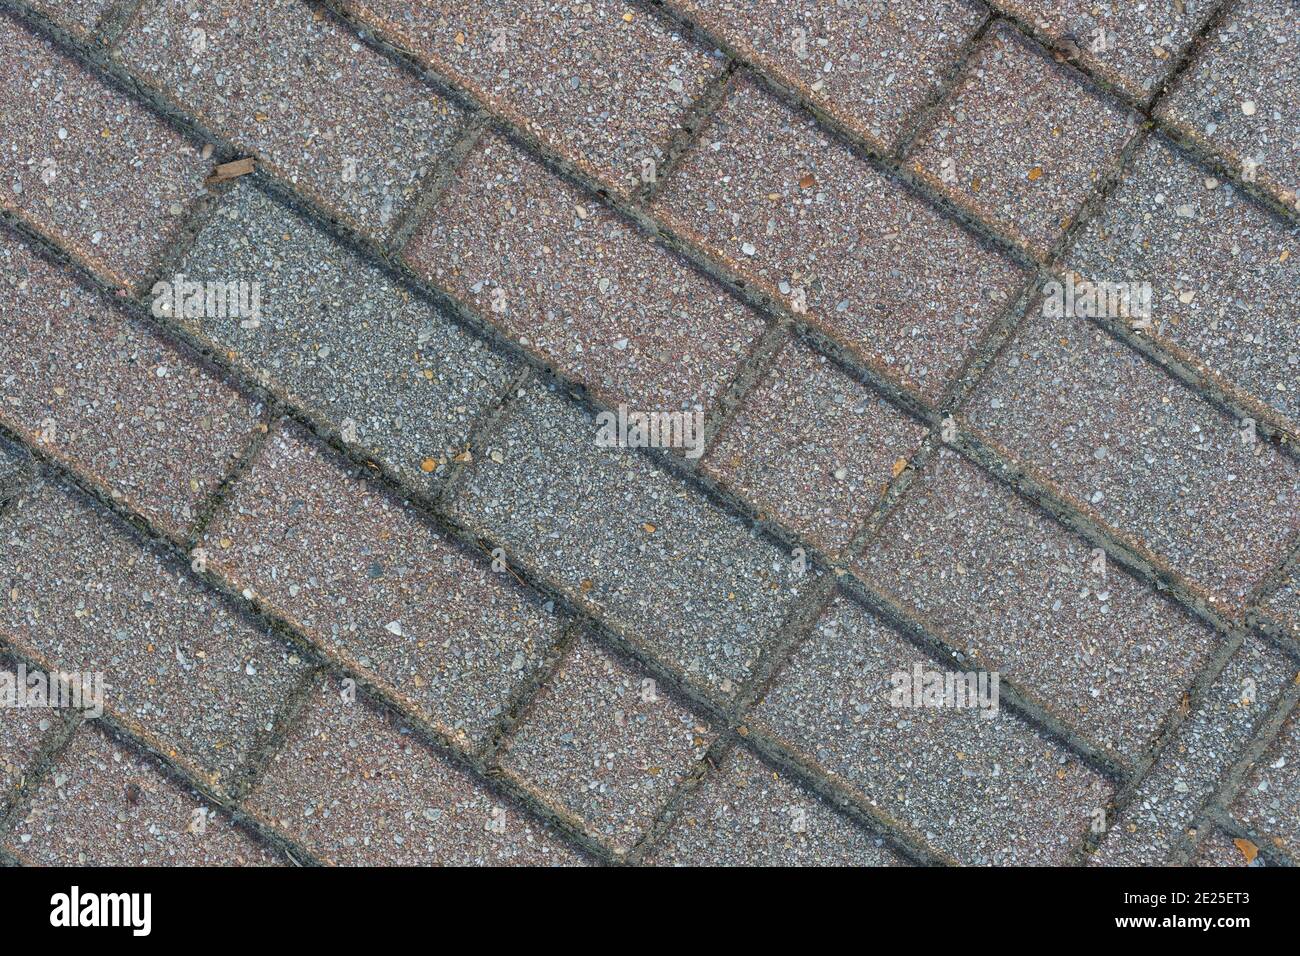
x=1189, y=768
x=747, y=814
x=978, y=784
x=109, y=398
x=298, y=90
x=1131, y=446
x=355, y=787
x=178, y=663
x=870, y=66
x=991, y=574
x=577, y=284
x=337, y=336
x=1237, y=97
x=78, y=16
x=23, y=729
x=1021, y=141
x=630, y=543
x=1269, y=801
x=813, y=447
x=87, y=166
x=1133, y=45
x=620, y=78
x=810, y=224
x=1222, y=271
x=372, y=582
x=604, y=742
x=104, y=803
x=1219, y=849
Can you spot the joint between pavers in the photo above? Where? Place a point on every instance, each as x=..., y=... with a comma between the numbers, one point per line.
x=438, y=180
x=242, y=464
x=1272, y=854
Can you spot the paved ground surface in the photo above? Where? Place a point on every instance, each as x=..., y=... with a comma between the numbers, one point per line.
x=365, y=583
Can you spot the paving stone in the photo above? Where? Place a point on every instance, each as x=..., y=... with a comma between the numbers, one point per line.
x=1237, y=96
x=601, y=741
x=1269, y=802
x=109, y=398
x=1134, y=448
x=87, y=166
x=1133, y=46
x=1192, y=763
x=604, y=83
x=338, y=337
x=813, y=447
x=1020, y=141
x=23, y=729
x=15, y=467
x=356, y=788
x=178, y=662
x=577, y=284
x=991, y=574
x=631, y=543
x=984, y=789
x=1172, y=224
x=1284, y=604
x=298, y=90
x=1219, y=849
x=747, y=814
x=870, y=66
x=807, y=222
x=77, y=16
x=104, y=803
x=367, y=579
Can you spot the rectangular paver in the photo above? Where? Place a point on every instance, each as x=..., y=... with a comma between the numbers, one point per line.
x=336, y=335
x=356, y=788
x=747, y=814
x=605, y=83
x=1222, y=271
x=375, y=584
x=104, y=803
x=987, y=790
x=299, y=90
x=872, y=66
x=813, y=447
x=1021, y=141
x=87, y=166
x=603, y=742
x=109, y=398
x=179, y=662
x=630, y=542
x=1192, y=763
x=991, y=574
x=1237, y=96
x=1269, y=801
x=574, y=282
x=1130, y=445
x=812, y=225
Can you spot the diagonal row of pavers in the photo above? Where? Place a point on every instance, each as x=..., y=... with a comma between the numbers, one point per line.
x=505, y=492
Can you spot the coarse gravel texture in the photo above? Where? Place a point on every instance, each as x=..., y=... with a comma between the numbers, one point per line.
x=1026, y=597
x=813, y=447
x=79, y=16
x=824, y=234
x=977, y=783
x=1185, y=774
x=125, y=408
x=1219, y=850
x=606, y=743
x=1159, y=464
x=357, y=787
x=179, y=663
x=747, y=814
x=1269, y=801
x=364, y=576
x=572, y=281
x=1222, y=271
x=289, y=85
x=1021, y=141
x=622, y=78
x=1284, y=604
x=105, y=803
x=385, y=369
x=23, y=729
x=1237, y=97
x=871, y=66
x=85, y=164
x=625, y=540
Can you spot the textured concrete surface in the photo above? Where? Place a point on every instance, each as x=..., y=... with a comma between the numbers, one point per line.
x=376, y=568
